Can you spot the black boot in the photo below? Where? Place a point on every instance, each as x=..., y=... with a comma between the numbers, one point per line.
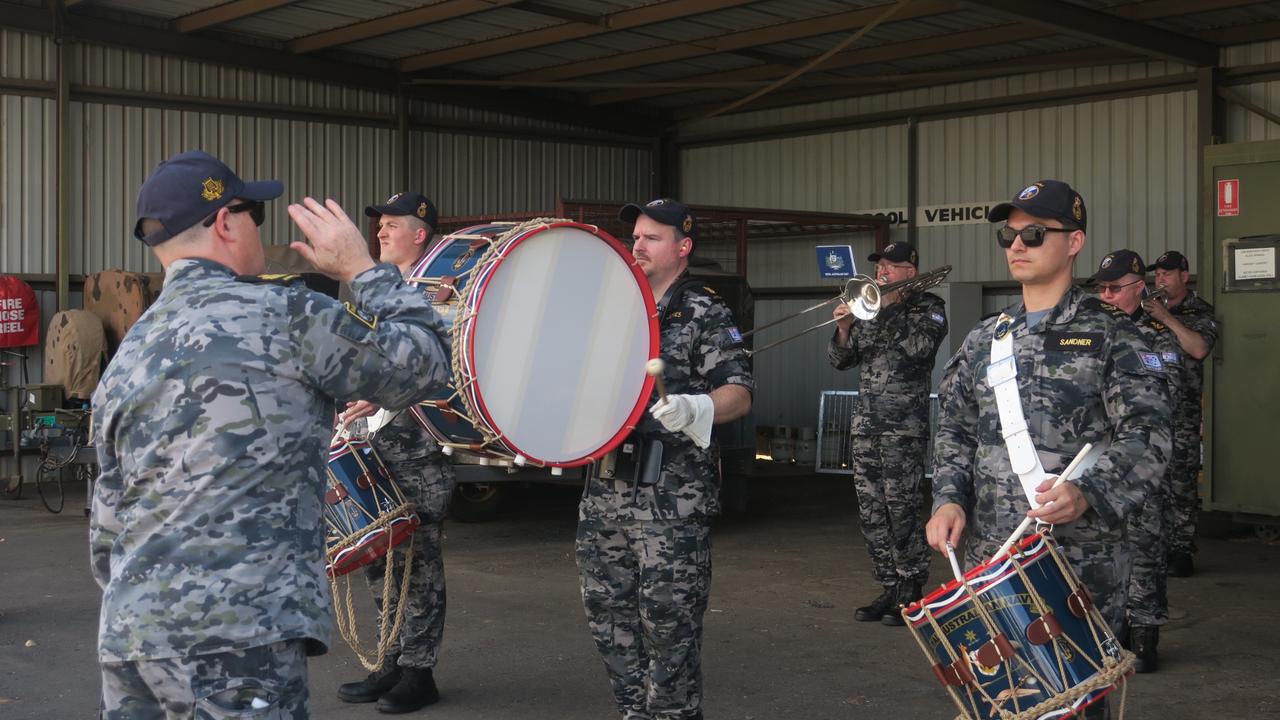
x=372, y=687
x=908, y=592
x=878, y=607
x=416, y=690
x=1143, y=640
x=1181, y=565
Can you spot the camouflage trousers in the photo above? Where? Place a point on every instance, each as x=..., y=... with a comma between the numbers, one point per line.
x=427, y=481
x=645, y=587
x=1148, y=580
x=888, y=474
x=268, y=682
x=1184, y=500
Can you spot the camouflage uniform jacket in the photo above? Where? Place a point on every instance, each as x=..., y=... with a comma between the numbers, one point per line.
x=703, y=351
x=1177, y=363
x=212, y=426
x=1196, y=314
x=1105, y=383
x=896, y=350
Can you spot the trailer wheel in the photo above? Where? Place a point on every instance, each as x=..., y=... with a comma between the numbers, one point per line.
x=476, y=502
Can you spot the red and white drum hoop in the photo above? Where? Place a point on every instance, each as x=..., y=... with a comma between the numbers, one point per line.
x=550, y=343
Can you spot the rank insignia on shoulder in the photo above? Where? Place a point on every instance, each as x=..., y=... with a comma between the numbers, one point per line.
x=711, y=291
x=271, y=278
x=1151, y=361
x=369, y=322
x=938, y=318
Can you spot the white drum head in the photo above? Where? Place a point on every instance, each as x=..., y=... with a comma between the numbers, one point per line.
x=564, y=326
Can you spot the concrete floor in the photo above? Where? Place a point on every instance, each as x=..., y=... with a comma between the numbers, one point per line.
x=780, y=639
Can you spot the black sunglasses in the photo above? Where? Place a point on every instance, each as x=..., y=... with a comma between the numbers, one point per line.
x=257, y=212
x=1032, y=235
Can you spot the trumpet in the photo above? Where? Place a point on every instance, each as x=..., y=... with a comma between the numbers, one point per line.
x=863, y=295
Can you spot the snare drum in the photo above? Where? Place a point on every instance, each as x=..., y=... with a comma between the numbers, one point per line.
x=1020, y=637
x=364, y=509
x=551, y=323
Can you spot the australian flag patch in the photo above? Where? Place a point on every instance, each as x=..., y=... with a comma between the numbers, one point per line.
x=1152, y=361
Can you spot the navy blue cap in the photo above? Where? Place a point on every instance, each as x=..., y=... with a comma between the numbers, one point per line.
x=189, y=187
x=406, y=203
x=1172, y=260
x=1118, y=264
x=664, y=210
x=1049, y=199
x=900, y=251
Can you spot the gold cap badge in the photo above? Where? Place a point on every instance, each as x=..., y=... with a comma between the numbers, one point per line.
x=211, y=189
x=688, y=223
x=422, y=210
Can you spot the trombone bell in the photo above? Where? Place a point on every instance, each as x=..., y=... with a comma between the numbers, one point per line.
x=862, y=295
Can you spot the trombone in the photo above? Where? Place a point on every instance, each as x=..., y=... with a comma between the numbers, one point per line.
x=863, y=296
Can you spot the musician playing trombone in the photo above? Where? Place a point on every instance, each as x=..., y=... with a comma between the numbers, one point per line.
x=895, y=351
x=1029, y=388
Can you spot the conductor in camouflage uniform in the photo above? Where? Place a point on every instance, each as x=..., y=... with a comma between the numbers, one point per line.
x=895, y=352
x=1121, y=281
x=1191, y=319
x=644, y=536
x=212, y=425
x=406, y=681
x=1083, y=374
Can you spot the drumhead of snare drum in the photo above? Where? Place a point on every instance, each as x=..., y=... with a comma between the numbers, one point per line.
x=563, y=328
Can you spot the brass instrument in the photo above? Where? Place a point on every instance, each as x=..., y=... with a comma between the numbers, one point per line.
x=1161, y=294
x=863, y=296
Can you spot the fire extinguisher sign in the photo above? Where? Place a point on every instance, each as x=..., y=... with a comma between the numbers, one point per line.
x=1228, y=198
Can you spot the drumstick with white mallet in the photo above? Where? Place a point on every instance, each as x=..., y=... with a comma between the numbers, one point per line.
x=1062, y=477
x=655, y=367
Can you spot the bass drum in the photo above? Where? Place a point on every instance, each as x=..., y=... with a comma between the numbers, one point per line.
x=552, y=323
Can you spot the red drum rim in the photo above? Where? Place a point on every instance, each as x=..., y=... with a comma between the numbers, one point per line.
x=476, y=292
x=373, y=546
x=980, y=578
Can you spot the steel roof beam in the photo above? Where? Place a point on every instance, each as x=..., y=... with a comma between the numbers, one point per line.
x=621, y=20
x=393, y=23
x=1106, y=29
x=889, y=52
x=1066, y=60
x=224, y=13
x=737, y=41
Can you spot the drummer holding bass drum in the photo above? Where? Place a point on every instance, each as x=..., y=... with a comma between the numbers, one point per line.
x=405, y=682
x=644, y=536
x=1029, y=388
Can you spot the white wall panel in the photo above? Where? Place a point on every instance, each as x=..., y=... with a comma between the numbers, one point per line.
x=27, y=185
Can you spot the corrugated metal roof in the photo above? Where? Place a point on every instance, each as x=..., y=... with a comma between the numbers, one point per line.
x=701, y=31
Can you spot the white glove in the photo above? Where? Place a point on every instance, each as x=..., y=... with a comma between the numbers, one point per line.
x=691, y=414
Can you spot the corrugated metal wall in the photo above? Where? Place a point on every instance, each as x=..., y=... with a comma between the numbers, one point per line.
x=115, y=143
x=1133, y=159
x=1242, y=125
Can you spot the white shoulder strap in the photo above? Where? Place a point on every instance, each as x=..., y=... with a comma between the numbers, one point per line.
x=1002, y=376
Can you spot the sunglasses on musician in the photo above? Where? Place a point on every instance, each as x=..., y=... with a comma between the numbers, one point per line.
x=1032, y=235
x=257, y=212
